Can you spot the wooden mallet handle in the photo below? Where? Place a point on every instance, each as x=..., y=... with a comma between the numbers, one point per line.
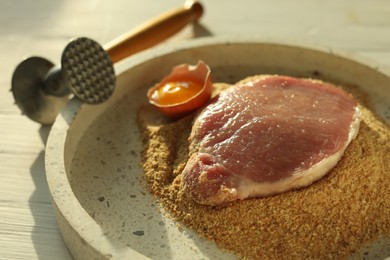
x=153, y=32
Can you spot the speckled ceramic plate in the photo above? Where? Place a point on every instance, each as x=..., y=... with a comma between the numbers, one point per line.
x=93, y=152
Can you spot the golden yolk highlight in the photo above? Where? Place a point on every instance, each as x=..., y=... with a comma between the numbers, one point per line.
x=175, y=92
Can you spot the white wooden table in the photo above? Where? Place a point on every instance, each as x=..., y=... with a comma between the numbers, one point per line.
x=28, y=227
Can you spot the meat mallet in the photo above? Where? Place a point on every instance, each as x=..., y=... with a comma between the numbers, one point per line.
x=41, y=89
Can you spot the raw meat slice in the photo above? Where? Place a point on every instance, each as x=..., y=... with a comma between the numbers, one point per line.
x=267, y=135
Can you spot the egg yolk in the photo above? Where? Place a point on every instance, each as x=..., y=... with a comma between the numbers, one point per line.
x=175, y=92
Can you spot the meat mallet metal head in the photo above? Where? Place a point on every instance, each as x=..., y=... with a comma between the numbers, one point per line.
x=41, y=89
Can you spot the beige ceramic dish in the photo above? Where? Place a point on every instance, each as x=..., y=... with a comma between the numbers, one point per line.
x=93, y=152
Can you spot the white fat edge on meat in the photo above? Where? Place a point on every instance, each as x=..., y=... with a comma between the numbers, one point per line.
x=248, y=188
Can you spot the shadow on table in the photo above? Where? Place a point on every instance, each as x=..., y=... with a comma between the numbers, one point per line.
x=200, y=30
x=45, y=234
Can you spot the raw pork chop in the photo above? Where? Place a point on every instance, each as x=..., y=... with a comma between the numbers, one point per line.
x=267, y=135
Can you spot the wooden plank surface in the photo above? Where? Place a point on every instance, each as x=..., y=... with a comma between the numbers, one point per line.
x=43, y=27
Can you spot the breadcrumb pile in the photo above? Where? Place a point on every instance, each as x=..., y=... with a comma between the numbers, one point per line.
x=330, y=219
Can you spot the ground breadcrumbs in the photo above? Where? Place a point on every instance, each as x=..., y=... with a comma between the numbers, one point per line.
x=329, y=219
